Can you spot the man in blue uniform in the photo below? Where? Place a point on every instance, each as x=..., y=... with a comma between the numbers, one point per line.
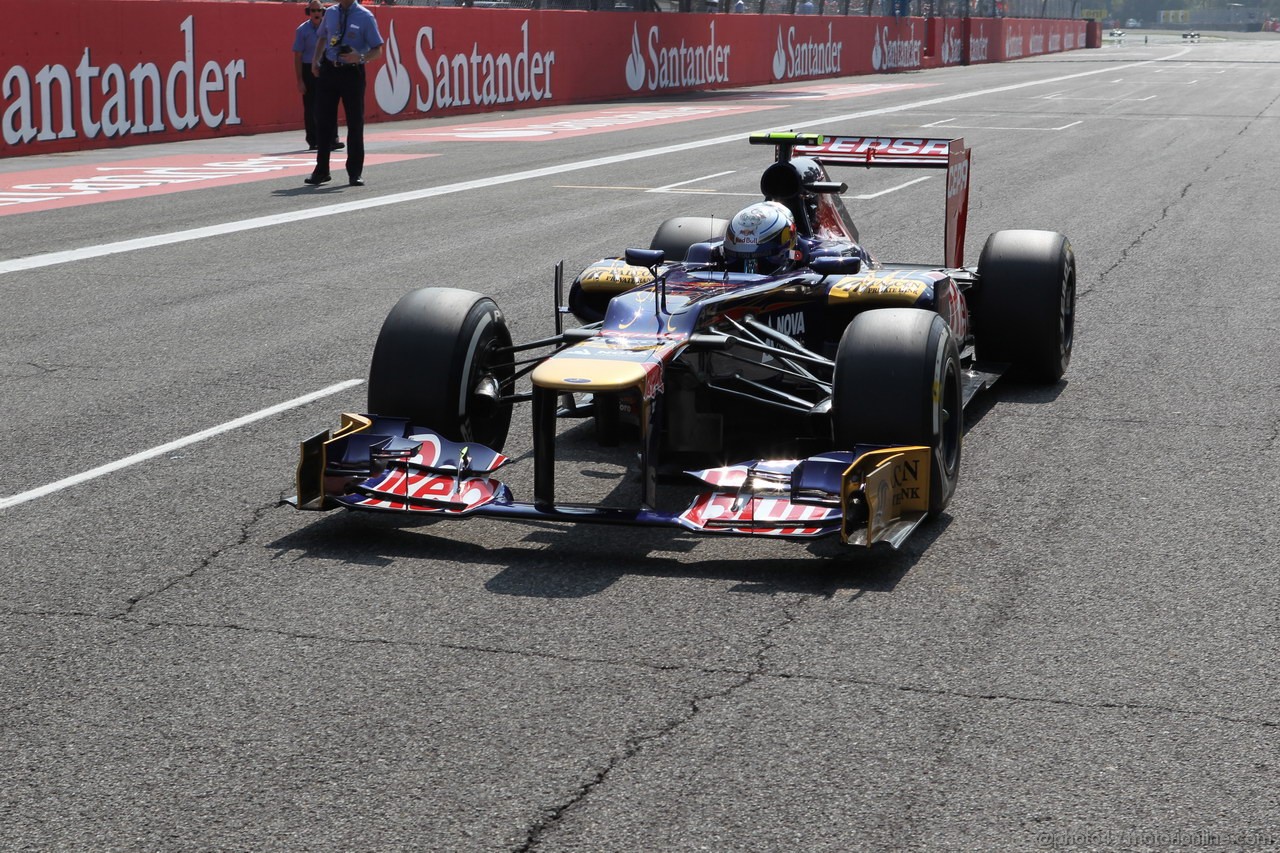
x=348, y=39
x=304, y=50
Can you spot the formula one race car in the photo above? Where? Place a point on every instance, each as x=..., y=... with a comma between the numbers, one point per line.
x=774, y=335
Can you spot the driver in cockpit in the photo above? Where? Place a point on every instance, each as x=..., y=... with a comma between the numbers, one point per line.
x=762, y=239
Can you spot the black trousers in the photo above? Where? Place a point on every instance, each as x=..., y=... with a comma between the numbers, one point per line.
x=309, y=104
x=345, y=85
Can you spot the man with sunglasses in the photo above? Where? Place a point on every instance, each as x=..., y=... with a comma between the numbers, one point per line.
x=304, y=49
x=347, y=39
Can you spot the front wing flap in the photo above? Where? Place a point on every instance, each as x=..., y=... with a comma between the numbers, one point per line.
x=439, y=476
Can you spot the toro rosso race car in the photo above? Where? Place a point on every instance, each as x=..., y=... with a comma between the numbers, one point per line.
x=809, y=388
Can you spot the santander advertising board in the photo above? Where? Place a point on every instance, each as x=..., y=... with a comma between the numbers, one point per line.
x=94, y=98
x=464, y=78
x=205, y=70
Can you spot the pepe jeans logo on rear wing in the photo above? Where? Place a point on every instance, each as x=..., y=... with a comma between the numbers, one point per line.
x=909, y=152
x=862, y=150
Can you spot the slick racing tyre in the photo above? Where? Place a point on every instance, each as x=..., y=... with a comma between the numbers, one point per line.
x=1025, y=311
x=436, y=363
x=675, y=236
x=897, y=381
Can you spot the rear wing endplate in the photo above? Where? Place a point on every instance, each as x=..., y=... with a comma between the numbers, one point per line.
x=892, y=151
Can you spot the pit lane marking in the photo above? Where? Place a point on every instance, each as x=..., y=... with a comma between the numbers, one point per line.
x=541, y=129
x=654, y=190
x=669, y=187
x=143, y=456
x=343, y=208
x=867, y=196
x=946, y=123
x=1061, y=97
x=58, y=187
x=859, y=197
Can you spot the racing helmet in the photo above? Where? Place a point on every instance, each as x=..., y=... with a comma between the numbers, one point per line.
x=762, y=238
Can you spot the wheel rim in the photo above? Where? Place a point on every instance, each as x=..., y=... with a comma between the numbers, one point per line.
x=950, y=421
x=486, y=419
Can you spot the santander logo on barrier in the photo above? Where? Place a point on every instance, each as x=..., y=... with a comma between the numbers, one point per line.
x=462, y=79
x=806, y=58
x=48, y=105
x=675, y=66
x=391, y=87
x=780, y=56
x=952, y=49
x=979, y=46
x=896, y=53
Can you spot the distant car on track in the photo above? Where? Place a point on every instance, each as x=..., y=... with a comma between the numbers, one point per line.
x=810, y=388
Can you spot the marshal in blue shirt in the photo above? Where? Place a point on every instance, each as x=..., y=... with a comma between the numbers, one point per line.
x=350, y=24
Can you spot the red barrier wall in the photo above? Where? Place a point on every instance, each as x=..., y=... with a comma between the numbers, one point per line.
x=99, y=73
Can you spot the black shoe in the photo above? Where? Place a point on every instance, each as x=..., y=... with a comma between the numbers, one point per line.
x=317, y=179
x=311, y=148
x=337, y=146
x=355, y=181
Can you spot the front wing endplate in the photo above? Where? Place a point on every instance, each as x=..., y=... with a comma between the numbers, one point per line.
x=894, y=482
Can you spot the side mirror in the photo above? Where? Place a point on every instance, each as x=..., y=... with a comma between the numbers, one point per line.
x=650, y=258
x=836, y=265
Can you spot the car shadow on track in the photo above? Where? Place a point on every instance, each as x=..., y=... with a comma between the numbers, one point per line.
x=564, y=562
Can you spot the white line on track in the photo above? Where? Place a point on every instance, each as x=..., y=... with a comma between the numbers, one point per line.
x=111, y=467
x=690, y=181
x=869, y=196
x=72, y=255
x=1011, y=127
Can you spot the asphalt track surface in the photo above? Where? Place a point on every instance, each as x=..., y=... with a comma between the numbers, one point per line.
x=1080, y=654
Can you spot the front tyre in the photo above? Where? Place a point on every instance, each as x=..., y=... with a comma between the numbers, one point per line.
x=897, y=381
x=437, y=363
x=1025, y=311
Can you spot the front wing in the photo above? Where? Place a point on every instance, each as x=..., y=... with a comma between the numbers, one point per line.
x=865, y=495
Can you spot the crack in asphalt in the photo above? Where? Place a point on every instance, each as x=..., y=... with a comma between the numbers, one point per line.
x=123, y=617
x=636, y=743
x=1033, y=700
x=1272, y=434
x=1182, y=195
x=43, y=369
x=1133, y=244
x=748, y=676
x=246, y=530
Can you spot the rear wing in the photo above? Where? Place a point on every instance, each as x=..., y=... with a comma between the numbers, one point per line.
x=892, y=151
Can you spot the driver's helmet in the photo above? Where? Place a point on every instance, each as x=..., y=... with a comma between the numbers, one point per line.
x=762, y=239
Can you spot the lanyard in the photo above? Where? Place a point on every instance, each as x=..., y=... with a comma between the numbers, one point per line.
x=342, y=35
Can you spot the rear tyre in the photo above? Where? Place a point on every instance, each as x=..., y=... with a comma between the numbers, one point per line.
x=675, y=236
x=1025, y=310
x=436, y=364
x=897, y=381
